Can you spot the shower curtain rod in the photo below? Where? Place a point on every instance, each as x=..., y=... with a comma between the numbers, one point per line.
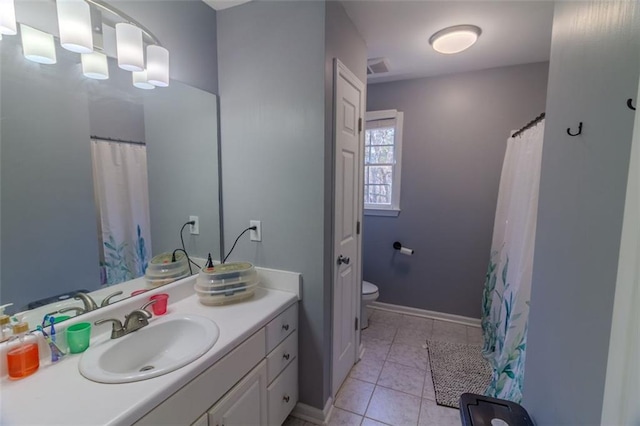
x=119, y=140
x=529, y=125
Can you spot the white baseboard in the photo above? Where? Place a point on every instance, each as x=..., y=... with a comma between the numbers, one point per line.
x=473, y=322
x=312, y=414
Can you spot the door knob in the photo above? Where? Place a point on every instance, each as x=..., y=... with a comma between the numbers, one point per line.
x=342, y=259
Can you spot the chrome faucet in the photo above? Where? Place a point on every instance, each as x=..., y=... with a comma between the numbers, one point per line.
x=76, y=309
x=89, y=303
x=135, y=320
x=107, y=299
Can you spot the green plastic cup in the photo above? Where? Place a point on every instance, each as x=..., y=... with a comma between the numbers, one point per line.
x=78, y=337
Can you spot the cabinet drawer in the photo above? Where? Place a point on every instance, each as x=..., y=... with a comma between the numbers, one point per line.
x=281, y=356
x=281, y=327
x=282, y=394
x=187, y=404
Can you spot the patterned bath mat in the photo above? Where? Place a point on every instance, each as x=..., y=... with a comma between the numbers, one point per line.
x=457, y=368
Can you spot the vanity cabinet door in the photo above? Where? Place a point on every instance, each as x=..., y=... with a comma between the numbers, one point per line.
x=246, y=403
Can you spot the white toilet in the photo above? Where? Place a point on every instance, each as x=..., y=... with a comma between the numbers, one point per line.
x=369, y=295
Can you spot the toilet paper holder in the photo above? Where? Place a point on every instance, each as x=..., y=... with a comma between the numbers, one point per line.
x=404, y=250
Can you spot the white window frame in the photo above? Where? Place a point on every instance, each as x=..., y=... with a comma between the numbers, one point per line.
x=392, y=209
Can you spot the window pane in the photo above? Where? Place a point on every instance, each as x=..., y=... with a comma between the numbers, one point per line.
x=380, y=154
x=380, y=175
x=381, y=136
x=377, y=194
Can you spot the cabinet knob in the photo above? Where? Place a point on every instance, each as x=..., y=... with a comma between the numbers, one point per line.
x=286, y=356
x=285, y=327
x=286, y=398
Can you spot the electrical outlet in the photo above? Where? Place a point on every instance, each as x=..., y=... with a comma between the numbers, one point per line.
x=195, y=228
x=257, y=234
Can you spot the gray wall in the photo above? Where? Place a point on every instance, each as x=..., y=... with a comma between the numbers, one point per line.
x=271, y=76
x=182, y=155
x=454, y=139
x=595, y=62
x=276, y=89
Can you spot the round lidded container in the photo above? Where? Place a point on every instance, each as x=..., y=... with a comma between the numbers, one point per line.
x=227, y=275
x=226, y=283
x=162, y=270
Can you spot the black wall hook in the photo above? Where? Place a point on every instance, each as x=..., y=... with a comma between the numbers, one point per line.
x=577, y=133
x=630, y=104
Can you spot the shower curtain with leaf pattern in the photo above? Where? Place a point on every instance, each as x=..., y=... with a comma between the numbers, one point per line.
x=505, y=304
x=122, y=201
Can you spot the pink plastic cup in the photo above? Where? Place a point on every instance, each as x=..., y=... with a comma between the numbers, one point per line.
x=160, y=307
x=137, y=292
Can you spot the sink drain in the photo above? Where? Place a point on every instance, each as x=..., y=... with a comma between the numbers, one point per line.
x=147, y=368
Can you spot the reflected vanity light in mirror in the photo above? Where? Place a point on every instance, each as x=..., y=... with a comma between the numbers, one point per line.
x=74, y=23
x=140, y=80
x=157, y=66
x=8, y=17
x=130, y=47
x=94, y=65
x=37, y=45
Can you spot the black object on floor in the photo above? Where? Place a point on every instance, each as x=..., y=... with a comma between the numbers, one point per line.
x=480, y=410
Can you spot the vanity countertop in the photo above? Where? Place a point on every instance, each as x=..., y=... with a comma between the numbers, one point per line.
x=58, y=394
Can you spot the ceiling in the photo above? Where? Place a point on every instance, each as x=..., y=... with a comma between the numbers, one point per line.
x=513, y=32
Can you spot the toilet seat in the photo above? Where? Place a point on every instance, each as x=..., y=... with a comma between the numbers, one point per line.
x=369, y=291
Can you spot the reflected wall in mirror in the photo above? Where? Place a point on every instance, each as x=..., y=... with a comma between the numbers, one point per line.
x=49, y=216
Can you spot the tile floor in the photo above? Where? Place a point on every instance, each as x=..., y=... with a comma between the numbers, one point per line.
x=392, y=383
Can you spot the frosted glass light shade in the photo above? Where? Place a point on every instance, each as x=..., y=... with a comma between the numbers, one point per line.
x=455, y=39
x=140, y=80
x=94, y=65
x=157, y=66
x=37, y=45
x=74, y=23
x=8, y=17
x=129, y=47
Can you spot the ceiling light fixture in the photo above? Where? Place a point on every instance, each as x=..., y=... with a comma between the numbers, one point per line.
x=157, y=66
x=74, y=23
x=130, y=47
x=37, y=45
x=140, y=80
x=455, y=39
x=8, y=17
x=94, y=65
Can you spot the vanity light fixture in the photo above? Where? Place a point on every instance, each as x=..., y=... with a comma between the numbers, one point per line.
x=74, y=23
x=129, y=46
x=37, y=45
x=94, y=65
x=455, y=39
x=157, y=65
x=140, y=80
x=8, y=17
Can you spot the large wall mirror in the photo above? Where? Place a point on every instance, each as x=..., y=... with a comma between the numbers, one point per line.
x=97, y=177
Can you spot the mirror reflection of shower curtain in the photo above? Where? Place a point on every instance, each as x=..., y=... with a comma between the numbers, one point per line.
x=505, y=304
x=122, y=201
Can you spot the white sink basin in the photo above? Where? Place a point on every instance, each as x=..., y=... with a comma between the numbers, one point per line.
x=159, y=348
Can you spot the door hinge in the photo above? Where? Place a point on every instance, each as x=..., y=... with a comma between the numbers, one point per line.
x=360, y=124
x=356, y=323
x=358, y=228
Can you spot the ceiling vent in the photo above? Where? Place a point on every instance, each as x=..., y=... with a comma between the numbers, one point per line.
x=377, y=66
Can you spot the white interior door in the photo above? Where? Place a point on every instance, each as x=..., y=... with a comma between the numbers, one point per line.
x=348, y=111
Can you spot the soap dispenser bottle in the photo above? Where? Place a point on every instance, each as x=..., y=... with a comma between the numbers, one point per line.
x=6, y=330
x=24, y=359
